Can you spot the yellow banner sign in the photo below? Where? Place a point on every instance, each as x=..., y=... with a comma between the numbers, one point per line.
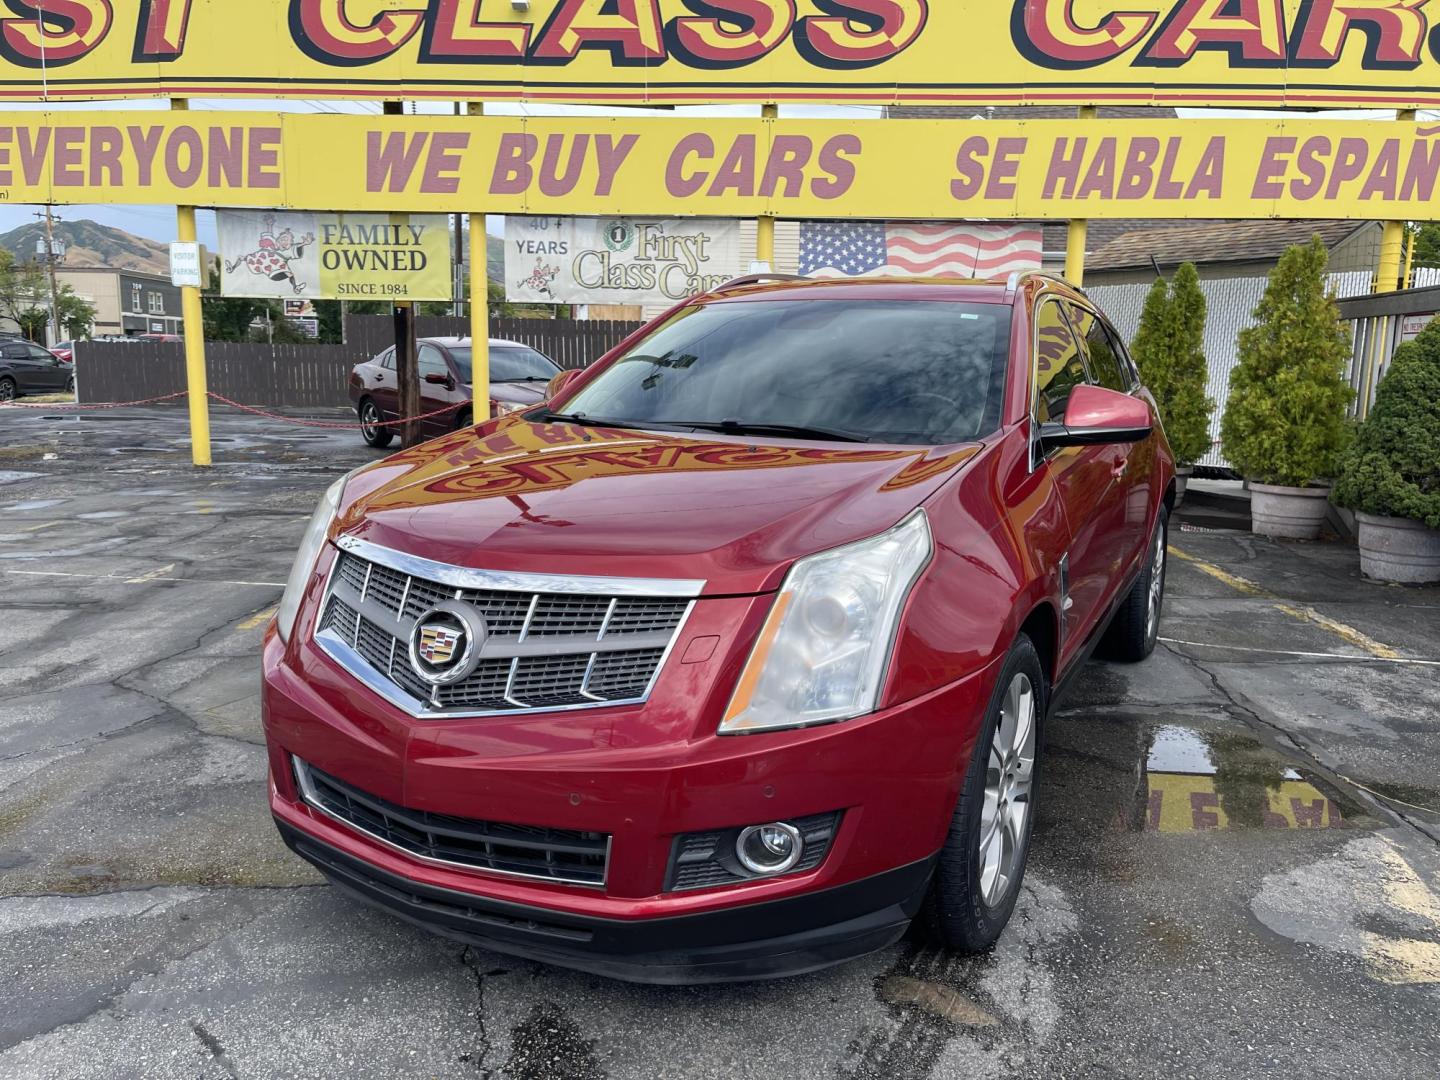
x=915, y=169
x=1305, y=53
x=335, y=256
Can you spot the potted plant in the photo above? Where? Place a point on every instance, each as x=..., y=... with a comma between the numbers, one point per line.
x=1170, y=352
x=1285, y=426
x=1391, y=476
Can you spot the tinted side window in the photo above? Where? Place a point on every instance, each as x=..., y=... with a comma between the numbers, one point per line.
x=431, y=362
x=1059, y=365
x=14, y=352
x=1105, y=366
x=387, y=359
x=1127, y=362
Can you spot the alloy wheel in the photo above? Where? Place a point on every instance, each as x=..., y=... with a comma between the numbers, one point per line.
x=369, y=421
x=1008, y=782
x=1157, y=586
x=7, y=390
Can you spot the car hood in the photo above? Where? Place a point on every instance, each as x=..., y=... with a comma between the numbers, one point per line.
x=561, y=499
x=518, y=393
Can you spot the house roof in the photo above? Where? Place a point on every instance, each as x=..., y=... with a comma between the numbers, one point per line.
x=1200, y=242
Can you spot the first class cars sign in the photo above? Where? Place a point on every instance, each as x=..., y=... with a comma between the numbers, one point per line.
x=1305, y=53
x=618, y=260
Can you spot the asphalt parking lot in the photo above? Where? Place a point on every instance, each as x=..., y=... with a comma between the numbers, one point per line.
x=1235, y=869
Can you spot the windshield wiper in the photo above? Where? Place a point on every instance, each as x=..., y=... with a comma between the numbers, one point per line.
x=582, y=420
x=797, y=431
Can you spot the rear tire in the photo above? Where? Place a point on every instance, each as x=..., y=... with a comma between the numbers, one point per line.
x=9, y=389
x=370, y=425
x=980, y=869
x=1136, y=626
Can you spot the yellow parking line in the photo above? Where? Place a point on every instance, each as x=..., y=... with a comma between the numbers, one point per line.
x=42, y=526
x=1302, y=612
x=258, y=619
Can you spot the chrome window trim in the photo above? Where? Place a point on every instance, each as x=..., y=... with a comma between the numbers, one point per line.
x=464, y=577
x=312, y=800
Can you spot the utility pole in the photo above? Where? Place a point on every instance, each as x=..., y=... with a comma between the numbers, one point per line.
x=51, y=258
x=407, y=363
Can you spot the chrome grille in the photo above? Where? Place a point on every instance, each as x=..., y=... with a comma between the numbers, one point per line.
x=561, y=648
x=563, y=855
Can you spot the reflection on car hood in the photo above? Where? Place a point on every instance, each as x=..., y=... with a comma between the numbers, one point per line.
x=558, y=498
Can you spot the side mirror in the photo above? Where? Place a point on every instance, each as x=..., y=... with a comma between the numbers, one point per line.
x=1096, y=416
x=561, y=381
x=439, y=380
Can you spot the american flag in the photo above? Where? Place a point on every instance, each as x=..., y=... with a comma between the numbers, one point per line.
x=953, y=249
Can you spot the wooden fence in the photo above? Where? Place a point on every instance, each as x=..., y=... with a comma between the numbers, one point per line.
x=570, y=343
x=309, y=376
x=302, y=376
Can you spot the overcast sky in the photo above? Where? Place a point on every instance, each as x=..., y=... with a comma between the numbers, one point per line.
x=158, y=222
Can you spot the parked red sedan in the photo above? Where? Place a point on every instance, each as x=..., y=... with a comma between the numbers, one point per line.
x=518, y=377
x=736, y=656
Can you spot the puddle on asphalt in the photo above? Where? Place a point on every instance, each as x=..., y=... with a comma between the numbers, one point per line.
x=1130, y=774
x=142, y=450
x=103, y=515
x=9, y=476
x=34, y=504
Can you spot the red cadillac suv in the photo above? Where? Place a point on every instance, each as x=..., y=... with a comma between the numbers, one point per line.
x=736, y=656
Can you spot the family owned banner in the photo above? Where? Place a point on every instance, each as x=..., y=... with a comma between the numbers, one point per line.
x=298, y=256
x=618, y=260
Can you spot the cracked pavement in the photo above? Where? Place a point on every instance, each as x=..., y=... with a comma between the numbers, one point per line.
x=1234, y=870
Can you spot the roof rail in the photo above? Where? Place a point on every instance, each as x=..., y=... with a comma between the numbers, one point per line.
x=756, y=279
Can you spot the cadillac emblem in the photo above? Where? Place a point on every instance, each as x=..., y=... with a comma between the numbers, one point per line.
x=446, y=642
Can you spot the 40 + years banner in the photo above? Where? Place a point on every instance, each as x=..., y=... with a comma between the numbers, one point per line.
x=1305, y=53
x=711, y=168
x=618, y=260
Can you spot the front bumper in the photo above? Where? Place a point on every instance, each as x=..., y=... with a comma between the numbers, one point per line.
x=643, y=776
x=761, y=941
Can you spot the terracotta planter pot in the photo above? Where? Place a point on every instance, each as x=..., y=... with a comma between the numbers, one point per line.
x=1399, y=550
x=1288, y=513
x=1182, y=481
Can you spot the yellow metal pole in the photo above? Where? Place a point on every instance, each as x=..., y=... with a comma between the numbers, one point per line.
x=1409, y=275
x=765, y=224
x=479, y=307
x=1392, y=241
x=195, y=382
x=1079, y=234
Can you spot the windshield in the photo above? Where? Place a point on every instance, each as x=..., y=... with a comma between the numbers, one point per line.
x=912, y=372
x=508, y=363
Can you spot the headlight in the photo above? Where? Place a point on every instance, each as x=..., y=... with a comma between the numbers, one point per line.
x=310, y=545
x=822, y=654
x=505, y=408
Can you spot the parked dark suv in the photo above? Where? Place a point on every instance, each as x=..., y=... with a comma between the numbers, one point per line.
x=518, y=376
x=735, y=655
x=27, y=368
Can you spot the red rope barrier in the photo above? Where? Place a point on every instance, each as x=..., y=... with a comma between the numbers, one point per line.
x=254, y=409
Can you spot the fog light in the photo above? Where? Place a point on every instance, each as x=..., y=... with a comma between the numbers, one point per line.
x=769, y=849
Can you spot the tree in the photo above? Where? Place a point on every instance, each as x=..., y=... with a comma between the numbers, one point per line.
x=22, y=289
x=1285, y=422
x=1393, y=470
x=1186, y=407
x=1427, y=244
x=1169, y=349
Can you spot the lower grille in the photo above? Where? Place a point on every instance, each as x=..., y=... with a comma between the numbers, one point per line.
x=706, y=860
x=560, y=855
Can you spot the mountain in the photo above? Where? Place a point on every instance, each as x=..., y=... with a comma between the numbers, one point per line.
x=89, y=243
x=495, y=262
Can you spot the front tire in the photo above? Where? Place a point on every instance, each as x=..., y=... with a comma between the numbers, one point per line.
x=1136, y=626
x=977, y=879
x=463, y=421
x=371, y=429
